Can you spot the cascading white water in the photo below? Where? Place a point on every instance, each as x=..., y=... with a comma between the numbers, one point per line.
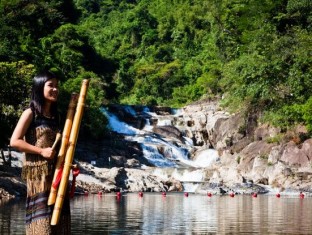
x=203, y=160
x=120, y=127
x=172, y=155
x=152, y=155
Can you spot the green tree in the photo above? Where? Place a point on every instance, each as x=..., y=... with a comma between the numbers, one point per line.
x=16, y=79
x=94, y=124
x=23, y=23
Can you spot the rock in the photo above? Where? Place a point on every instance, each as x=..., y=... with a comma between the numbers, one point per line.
x=161, y=110
x=119, y=161
x=200, y=122
x=168, y=132
x=249, y=153
x=174, y=185
x=11, y=184
x=140, y=180
x=227, y=131
x=274, y=155
x=264, y=181
x=295, y=156
x=132, y=163
x=265, y=131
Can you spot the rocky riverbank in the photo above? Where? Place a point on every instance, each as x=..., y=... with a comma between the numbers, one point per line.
x=252, y=157
x=94, y=179
x=11, y=184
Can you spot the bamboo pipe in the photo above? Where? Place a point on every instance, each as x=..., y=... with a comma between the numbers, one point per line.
x=70, y=153
x=63, y=148
x=57, y=139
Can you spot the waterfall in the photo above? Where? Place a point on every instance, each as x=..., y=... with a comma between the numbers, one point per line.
x=173, y=155
x=117, y=126
x=161, y=151
x=152, y=155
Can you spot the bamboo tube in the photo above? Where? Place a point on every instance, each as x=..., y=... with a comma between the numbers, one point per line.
x=70, y=153
x=63, y=148
x=57, y=139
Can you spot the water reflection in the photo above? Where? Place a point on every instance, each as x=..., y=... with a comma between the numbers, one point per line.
x=12, y=214
x=176, y=214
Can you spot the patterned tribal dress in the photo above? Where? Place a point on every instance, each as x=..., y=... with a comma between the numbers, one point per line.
x=38, y=173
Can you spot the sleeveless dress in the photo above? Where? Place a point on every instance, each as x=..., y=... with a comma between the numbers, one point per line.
x=38, y=173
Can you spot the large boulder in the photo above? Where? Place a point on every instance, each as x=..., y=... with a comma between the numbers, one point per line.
x=168, y=132
x=299, y=156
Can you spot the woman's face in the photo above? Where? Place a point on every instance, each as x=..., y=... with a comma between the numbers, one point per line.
x=50, y=90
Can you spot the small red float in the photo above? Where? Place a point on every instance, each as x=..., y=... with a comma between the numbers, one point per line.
x=100, y=193
x=301, y=195
x=209, y=194
x=186, y=194
x=140, y=194
x=254, y=195
x=164, y=194
x=118, y=194
x=231, y=194
x=278, y=195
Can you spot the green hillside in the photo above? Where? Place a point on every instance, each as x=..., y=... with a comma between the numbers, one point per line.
x=256, y=55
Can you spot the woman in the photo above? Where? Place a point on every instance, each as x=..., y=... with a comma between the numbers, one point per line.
x=34, y=134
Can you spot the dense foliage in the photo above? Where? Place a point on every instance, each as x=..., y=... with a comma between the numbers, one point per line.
x=257, y=55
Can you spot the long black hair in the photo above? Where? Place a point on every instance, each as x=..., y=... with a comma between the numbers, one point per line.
x=37, y=96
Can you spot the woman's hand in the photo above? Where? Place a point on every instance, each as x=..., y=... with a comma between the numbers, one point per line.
x=48, y=153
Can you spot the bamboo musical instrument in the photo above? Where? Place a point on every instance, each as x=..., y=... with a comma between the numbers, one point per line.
x=63, y=148
x=70, y=153
x=57, y=139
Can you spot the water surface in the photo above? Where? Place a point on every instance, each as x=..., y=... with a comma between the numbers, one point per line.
x=176, y=214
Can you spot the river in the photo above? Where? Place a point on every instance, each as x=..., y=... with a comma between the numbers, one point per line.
x=175, y=213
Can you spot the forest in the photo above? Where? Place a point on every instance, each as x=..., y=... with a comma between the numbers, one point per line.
x=255, y=56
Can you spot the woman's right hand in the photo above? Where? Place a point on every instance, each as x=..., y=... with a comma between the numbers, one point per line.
x=48, y=153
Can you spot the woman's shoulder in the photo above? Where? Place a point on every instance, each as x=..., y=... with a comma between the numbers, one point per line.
x=28, y=112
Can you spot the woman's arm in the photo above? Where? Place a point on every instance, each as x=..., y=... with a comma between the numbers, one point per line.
x=17, y=140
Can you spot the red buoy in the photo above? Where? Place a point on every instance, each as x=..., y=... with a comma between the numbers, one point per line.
x=254, y=195
x=86, y=193
x=140, y=194
x=100, y=193
x=301, y=195
x=186, y=194
x=209, y=194
x=231, y=194
x=278, y=195
x=118, y=194
x=164, y=194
